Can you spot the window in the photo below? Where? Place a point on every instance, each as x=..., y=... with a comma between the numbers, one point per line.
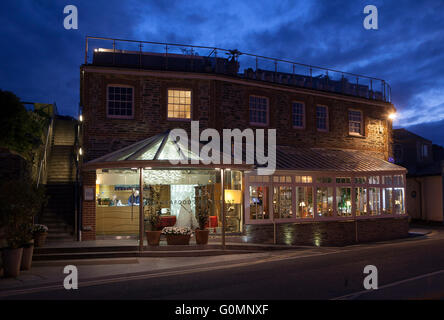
x=355, y=122
x=322, y=118
x=361, y=180
x=303, y=179
x=282, y=202
x=324, y=197
x=387, y=180
x=258, y=110
x=361, y=201
x=258, y=178
x=343, y=201
x=398, y=180
x=343, y=180
x=259, y=203
x=179, y=104
x=323, y=180
x=373, y=180
x=374, y=201
x=298, y=115
x=387, y=200
x=398, y=196
x=120, y=102
x=424, y=151
x=304, y=202
x=282, y=179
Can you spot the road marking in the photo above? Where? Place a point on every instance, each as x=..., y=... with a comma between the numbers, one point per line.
x=355, y=295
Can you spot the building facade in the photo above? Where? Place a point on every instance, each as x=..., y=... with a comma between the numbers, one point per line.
x=333, y=184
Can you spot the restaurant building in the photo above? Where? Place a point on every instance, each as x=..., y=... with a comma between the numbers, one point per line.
x=334, y=182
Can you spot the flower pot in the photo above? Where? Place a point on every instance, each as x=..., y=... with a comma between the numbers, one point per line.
x=40, y=239
x=202, y=236
x=153, y=237
x=27, y=257
x=178, y=239
x=12, y=259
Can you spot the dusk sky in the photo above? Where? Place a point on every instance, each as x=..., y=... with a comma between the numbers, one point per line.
x=40, y=60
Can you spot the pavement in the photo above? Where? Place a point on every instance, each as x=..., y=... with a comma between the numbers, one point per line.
x=49, y=274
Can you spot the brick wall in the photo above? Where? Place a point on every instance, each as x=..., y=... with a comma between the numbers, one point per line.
x=331, y=233
x=223, y=104
x=88, y=207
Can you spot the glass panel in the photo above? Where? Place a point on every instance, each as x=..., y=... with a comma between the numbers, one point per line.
x=304, y=202
x=259, y=203
x=398, y=180
x=233, y=200
x=282, y=202
x=387, y=200
x=387, y=180
x=361, y=201
x=374, y=180
x=374, y=201
x=398, y=195
x=151, y=152
x=343, y=180
x=324, y=196
x=343, y=201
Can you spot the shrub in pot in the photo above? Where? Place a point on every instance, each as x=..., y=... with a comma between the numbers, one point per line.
x=203, y=203
x=20, y=201
x=153, y=216
x=39, y=232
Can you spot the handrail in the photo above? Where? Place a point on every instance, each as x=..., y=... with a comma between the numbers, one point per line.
x=385, y=88
x=44, y=159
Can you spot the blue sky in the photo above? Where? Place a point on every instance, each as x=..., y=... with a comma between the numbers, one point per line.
x=40, y=59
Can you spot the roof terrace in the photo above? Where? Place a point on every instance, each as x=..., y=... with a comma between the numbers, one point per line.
x=189, y=58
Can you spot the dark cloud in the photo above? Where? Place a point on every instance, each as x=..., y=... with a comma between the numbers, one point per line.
x=40, y=59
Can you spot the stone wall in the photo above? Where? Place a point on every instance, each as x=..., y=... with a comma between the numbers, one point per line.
x=224, y=104
x=329, y=233
x=88, y=225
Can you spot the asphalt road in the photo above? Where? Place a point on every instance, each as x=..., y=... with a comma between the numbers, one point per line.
x=409, y=269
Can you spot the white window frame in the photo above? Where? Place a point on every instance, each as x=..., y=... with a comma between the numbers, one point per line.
x=267, y=112
x=303, y=115
x=361, y=132
x=327, y=120
x=107, y=101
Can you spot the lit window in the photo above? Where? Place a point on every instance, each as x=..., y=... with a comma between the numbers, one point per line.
x=361, y=201
x=258, y=110
x=304, y=202
x=259, y=203
x=343, y=201
x=282, y=179
x=298, y=115
x=374, y=201
x=303, y=179
x=398, y=196
x=355, y=122
x=387, y=200
x=373, y=180
x=321, y=118
x=360, y=180
x=179, y=104
x=120, y=102
x=282, y=202
x=323, y=180
x=324, y=197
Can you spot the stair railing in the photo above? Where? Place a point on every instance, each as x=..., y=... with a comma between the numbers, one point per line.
x=44, y=160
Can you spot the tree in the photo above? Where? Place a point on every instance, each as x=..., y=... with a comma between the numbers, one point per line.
x=18, y=130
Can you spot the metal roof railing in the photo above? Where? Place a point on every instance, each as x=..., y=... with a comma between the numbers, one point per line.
x=165, y=56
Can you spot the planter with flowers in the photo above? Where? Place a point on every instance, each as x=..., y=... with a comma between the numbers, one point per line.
x=40, y=232
x=177, y=235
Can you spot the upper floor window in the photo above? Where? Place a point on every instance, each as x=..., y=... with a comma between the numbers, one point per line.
x=258, y=110
x=322, y=118
x=424, y=151
x=120, y=102
x=179, y=104
x=298, y=115
x=355, y=122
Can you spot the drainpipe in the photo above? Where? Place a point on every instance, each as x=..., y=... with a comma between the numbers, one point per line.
x=223, y=207
x=141, y=217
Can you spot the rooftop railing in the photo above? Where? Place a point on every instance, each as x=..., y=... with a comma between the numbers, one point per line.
x=180, y=57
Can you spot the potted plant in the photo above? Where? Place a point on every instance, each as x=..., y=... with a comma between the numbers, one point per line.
x=40, y=232
x=202, y=212
x=20, y=201
x=177, y=235
x=153, y=216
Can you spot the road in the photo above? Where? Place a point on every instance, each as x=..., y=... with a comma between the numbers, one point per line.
x=408, y=269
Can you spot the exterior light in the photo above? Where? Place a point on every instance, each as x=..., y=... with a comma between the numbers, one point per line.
x=80, y=151
x=392, y=116
x=81, y=118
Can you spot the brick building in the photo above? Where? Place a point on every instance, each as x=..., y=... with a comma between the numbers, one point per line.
x=333, y=182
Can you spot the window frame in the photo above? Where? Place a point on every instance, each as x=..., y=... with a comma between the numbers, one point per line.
x=133, y=108
x=191, y=104
x=266, y=124
x=361, y=133
x=327, y=118
x=303, y=115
